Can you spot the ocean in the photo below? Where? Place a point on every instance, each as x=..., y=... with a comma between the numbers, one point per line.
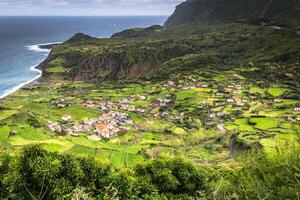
x=20, y=37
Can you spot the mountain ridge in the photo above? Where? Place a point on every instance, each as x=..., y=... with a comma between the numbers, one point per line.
x=283, y=12
x=139, y=52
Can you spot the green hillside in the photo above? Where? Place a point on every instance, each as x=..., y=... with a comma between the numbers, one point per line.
x=195, y=109
x=140, y=53
x=278, y=12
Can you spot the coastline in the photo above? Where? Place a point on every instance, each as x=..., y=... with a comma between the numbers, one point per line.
x=43, y=47
x=21, y=85
x=36, y=48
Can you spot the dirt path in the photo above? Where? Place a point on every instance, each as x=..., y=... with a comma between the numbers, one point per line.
x=156, y=152
x=230, y=154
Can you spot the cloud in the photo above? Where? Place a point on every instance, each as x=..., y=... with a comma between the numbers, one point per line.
x=87, y=7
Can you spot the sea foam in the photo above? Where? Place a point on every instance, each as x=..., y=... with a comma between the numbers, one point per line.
x=36, y=48
x=20, y=85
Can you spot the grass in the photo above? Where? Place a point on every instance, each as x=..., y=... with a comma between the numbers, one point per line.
x=187, y=95
x=207, y=90
x=178, y=131
x=78, y=113
x=276, y=92
x=275, y=113
x=243, y=125
x=7, y=113
x=82, y=150
x=194, y=144
x=4, y=133
x=254, y=90
x=19, y=141
x=231, y=127
x=265, y=123
x=286, y=102
x=56, y=70
x=194, y=137
x=54, y=147
x=286, y=126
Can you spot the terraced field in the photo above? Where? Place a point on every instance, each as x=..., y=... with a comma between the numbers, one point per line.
x=192, y=117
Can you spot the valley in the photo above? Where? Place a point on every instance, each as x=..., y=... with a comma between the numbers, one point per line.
x=192, y=116
x=206, y=106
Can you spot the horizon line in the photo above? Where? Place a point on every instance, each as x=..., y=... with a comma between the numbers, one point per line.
x=84, y=15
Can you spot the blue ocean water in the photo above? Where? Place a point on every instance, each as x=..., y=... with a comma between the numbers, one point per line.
x=20, y=36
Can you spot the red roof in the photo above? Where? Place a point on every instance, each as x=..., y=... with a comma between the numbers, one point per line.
x=100, y=127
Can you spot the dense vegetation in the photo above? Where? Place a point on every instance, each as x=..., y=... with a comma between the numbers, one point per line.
x=284, y=12
x=34, y=173
x=196, y=111
x=140, y=52
x=197, y=123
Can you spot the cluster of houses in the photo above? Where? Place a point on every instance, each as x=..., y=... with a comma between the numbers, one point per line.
x=108, y=125
x=54, y=127
x=61, y=103
x=296, y=111
x=161, y=102
x=191, y=82
x=113, y=122
x=295, y=118
x=228, y=95
x=126, y=104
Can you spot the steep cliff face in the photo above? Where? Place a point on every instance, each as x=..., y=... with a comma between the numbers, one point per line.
x=111, y=59
x=110, y=69
x=140, y=52
x=172, y=50
x=274, y=11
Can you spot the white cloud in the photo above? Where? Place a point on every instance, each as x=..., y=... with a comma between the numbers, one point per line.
x=87, y=7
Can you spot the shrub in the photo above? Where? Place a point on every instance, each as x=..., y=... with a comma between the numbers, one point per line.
x=37, y=174
x=265, y=177
x=171, y=176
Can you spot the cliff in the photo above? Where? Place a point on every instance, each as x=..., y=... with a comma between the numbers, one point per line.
x=283, y=12
x=220, y=38
x=168, y=51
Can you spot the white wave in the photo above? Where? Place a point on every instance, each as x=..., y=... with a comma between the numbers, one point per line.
x=20, y=85
x=37, y=47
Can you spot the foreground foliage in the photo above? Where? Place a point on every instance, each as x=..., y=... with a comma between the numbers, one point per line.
x=265, y=177
x=37, y=174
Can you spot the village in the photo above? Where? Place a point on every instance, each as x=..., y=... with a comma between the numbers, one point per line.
x=223, y=104
x=191, y=115
x=107, y=126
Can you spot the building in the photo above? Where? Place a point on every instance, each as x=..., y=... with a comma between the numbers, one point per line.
x=90, y=122
x=54, y=127
x=78, y=128
x=171, y=83
x=91, y=104
x=278, y=101
x=106, y=131
x=143, y=97
x=230, y=101
x=60, y=103
x=297, y=110
x=221, y=127
x=66, y=118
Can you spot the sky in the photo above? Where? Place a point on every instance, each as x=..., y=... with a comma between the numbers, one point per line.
x=87, y=7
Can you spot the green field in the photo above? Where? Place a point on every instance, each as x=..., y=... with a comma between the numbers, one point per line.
x=195, y=136
x=203, y=84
